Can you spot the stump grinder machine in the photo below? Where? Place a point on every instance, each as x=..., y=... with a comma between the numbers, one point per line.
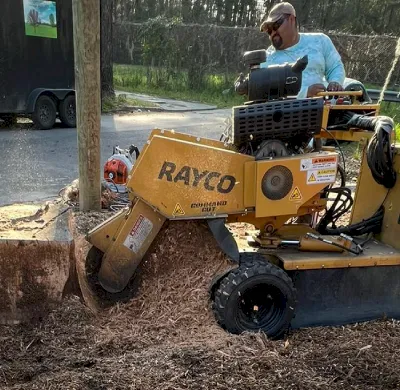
x=300, y=265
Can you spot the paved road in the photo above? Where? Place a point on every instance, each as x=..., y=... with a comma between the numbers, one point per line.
x=168, y=104
x=36, y=164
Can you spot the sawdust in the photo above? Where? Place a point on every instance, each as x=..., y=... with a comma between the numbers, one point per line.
x=167, y=338
x=85, y=221
x=27, y=217
x=68, y=352
x=173, y=298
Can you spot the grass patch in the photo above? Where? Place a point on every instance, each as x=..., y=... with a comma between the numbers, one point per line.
x=356, y=153
x=215, y=89
x=391, y=109
x=121, y=102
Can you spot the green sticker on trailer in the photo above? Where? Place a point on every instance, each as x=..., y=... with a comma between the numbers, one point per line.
x=40, y=18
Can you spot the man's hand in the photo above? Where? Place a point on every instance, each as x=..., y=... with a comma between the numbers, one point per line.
x=334, y=86
x=314, y=89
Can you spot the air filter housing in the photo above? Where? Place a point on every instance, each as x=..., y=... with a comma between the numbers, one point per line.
x=294, y=121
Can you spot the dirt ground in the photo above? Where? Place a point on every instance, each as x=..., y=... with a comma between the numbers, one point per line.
x=166, y=337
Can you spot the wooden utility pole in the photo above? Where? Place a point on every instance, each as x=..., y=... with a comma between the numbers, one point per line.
x=86, y=21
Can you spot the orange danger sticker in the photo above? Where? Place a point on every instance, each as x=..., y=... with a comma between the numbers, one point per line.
x=309, y=164
x=296, y=194
x=323, y=160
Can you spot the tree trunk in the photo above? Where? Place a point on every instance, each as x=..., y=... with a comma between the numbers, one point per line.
x=106, y=23
x=186, y=9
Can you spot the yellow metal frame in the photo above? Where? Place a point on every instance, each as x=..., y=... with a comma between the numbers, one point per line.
x=376, y=255
x=125, y=239
x=183, y=177
x=179, y=176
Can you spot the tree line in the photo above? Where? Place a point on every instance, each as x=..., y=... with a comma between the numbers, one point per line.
x=361, y=17
x=352, y=16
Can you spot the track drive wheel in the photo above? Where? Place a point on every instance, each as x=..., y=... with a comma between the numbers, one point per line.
x=256, y=296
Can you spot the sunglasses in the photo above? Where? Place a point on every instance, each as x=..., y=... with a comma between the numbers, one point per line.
x=270, y=27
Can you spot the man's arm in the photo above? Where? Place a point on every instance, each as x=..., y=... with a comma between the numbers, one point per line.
x=334, y=68
x=269, y=60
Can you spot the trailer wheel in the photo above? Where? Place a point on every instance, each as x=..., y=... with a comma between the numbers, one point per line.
x=68, y=111
x=45, y=113
x=257, y=296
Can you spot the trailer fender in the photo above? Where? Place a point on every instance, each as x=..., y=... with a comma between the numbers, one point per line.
x=60, y=94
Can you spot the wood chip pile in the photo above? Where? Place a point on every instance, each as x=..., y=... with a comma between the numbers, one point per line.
x=166, y=338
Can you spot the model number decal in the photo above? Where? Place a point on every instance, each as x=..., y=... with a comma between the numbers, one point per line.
x=208, y=207
x=211, y=181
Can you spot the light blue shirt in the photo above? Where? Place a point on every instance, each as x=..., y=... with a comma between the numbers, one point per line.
x=324, y=62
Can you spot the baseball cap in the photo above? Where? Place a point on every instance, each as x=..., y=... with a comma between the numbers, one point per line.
x=278, y=10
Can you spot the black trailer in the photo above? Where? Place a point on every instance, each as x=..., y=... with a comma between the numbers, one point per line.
x=37, y=62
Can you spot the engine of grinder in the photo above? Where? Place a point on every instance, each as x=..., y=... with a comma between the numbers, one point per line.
x=273, y=122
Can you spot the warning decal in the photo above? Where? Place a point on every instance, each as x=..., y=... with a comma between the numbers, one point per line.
x=308, y=164
x=178, y=210
x=296, y=194
x=140, y=231
x=321, y=176
x=311, y=178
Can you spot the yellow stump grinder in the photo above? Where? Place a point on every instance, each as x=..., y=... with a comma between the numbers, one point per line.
x=300, y=265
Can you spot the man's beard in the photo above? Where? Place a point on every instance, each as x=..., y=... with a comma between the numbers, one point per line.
x=277, y=42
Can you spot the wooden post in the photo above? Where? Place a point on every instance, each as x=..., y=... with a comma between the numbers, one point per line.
x=86, y=21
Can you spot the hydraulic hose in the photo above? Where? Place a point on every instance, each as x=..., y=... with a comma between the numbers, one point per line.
x=379, y=152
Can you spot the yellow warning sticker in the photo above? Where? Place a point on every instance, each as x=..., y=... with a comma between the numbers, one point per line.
x=312, y=178
x=296, y=194
x=321, y=176
x=178, y=210
x=323, y=172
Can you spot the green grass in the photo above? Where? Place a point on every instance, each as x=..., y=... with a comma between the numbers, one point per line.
x=392, y=110
x=216, y=89
x=43, y=31
x=398, y=132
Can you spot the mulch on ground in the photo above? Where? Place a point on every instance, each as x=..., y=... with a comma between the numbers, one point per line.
x=166, y=337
